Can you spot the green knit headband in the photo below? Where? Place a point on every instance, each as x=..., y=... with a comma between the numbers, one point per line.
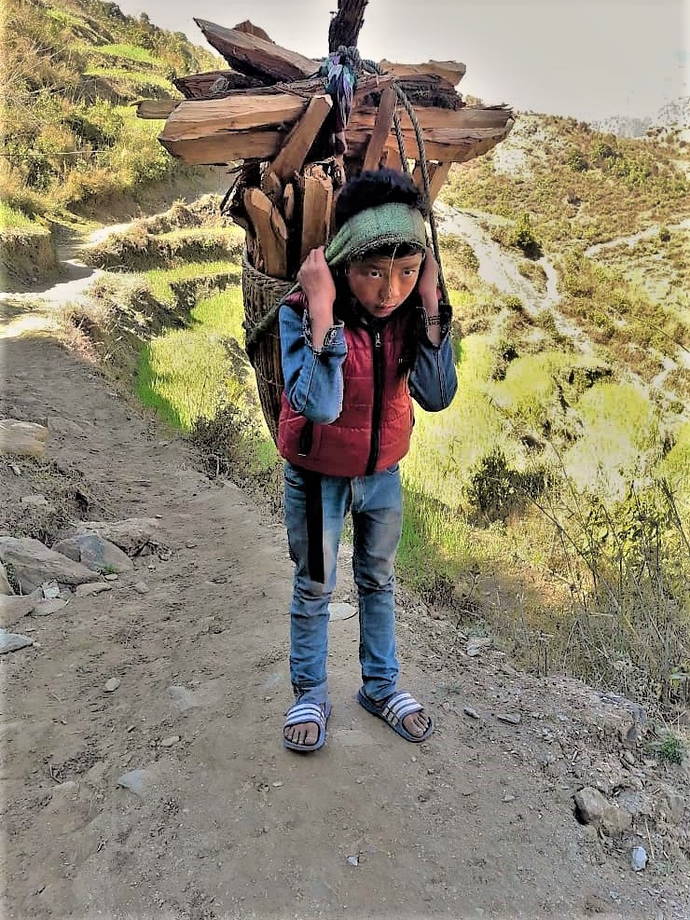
x=375, y=227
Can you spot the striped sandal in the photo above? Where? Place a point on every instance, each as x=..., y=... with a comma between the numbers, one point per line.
x=307, y=712
x=393, y=710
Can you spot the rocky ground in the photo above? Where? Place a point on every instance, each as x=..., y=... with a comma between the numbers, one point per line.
x=142, y=764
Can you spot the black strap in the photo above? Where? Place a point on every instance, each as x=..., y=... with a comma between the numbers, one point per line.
x=314, y=509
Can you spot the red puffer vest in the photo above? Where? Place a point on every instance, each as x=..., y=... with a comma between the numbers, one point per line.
x=373, y=430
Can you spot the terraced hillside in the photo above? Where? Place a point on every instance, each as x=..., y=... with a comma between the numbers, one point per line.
x=73, y=145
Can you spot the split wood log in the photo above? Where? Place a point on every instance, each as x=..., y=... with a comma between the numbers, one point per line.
x=450, y=71
x=299, y=141
x=249, y=125
x=317, y=202
x=430, y=91
x=432, y=119
x=474, y=144
x=382, y=127
x=438, y=173
x=272, y=186
x=346, y=24
x=289, y=202
x=255, y=56
x=439, y=176
x=213, y=131
x=271, y=232
x=214, y=83
x=156, y=108
x=392, y=159
x=251, y=29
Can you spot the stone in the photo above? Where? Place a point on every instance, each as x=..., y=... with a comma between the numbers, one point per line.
x=65, y=427
x=341, y=611
x=95, y=553
x=168, y=742
x=477, y=644
x=208, y=694
x=33, y=564
x=111, y=684
x=51, y=590
x=88, y=590
x=472, y=713
x=13, y=608
x=638, y=859
x=141, y=587
x=111, y=576
x=593, y=808
x=12, y=642
x=135, y=780
x=5, y=586
x=509, y=718
x=22, y=439
x=154, y=779
x=35, y=501
x=591, y=805
x=47, y=606
x=135, y=536
x=675, y=805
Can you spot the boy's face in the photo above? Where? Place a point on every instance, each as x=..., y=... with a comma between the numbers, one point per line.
x=381, y=284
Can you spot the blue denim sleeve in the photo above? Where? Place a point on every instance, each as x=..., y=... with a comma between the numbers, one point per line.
x=433, y=381
x=313, y=376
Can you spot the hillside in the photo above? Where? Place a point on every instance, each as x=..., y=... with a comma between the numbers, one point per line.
x=72, y=143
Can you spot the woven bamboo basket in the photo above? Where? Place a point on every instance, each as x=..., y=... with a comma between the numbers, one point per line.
x=260, y=293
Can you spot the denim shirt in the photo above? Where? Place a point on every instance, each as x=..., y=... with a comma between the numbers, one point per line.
x=314, y=377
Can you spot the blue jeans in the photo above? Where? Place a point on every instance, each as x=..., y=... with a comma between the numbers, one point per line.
x=376, y=505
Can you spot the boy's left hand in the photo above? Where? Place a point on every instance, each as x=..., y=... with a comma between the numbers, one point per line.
x=428, y=280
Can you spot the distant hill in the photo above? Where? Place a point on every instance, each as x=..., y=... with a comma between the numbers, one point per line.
x=578, y=185
x=674, y=116
x=71, y=72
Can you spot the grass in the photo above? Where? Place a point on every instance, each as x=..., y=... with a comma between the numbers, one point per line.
x=161, y=280
x=671, y=748
x=14, y=219
x=127, y=52
x=65, y=143
x=137, y=78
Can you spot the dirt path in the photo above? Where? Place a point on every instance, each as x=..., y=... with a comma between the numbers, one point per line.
x=500, y=268
x=477, y=822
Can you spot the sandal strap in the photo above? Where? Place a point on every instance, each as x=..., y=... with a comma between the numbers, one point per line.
x=398, y=706
x=305, y=712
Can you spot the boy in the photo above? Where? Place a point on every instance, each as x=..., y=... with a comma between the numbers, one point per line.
x=366, y=332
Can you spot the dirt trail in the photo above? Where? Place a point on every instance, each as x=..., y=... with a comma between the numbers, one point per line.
x=477, y=822
x=500, y=268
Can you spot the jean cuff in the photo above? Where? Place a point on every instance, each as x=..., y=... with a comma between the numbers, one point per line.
x=318, y=694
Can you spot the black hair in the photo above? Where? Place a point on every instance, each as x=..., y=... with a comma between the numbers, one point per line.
x=375, y=187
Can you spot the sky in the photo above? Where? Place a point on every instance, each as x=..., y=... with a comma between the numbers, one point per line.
x=585, y=58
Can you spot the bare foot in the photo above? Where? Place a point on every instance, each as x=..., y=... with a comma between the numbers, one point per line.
x=302, y=733
x=416, y=723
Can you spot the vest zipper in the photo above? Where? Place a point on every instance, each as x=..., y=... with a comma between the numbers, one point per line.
x=378, y=401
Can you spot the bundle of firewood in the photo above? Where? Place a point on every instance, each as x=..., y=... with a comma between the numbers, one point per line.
x=270, y=117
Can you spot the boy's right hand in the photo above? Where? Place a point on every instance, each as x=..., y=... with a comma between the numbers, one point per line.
x=319, y=288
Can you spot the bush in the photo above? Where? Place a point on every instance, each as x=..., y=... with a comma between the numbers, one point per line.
x=577, y=161
x=496, y=490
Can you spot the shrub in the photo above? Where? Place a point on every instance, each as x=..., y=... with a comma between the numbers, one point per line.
x=496, y=490
x=577, y=161
x=523, y=235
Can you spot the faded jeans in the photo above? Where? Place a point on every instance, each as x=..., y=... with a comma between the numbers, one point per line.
x=376, y=505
